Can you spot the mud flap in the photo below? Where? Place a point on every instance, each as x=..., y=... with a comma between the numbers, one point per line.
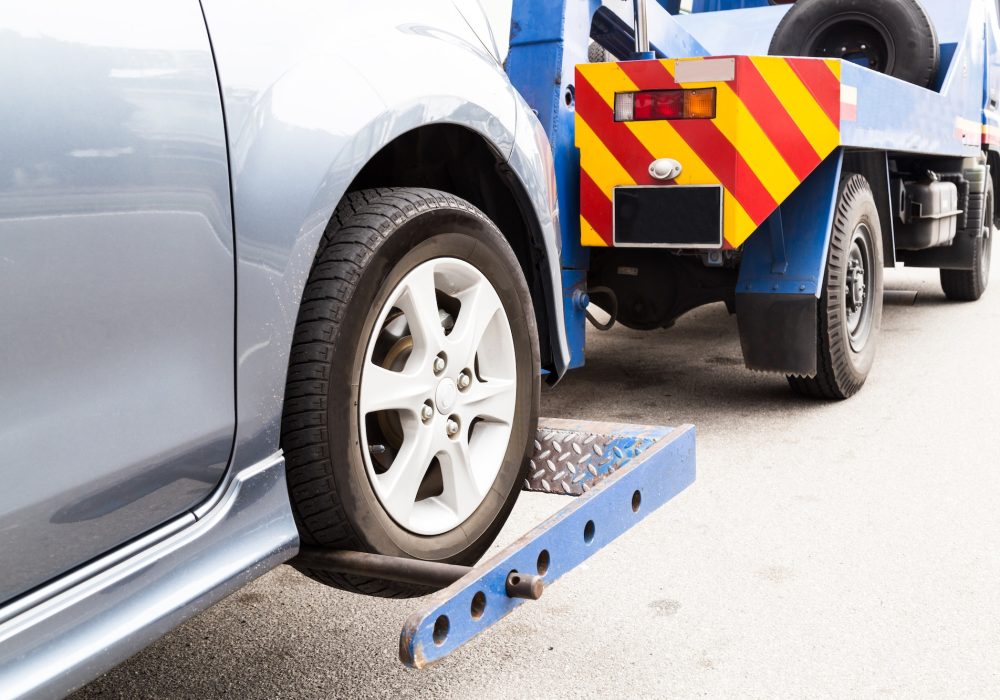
x=778, y=332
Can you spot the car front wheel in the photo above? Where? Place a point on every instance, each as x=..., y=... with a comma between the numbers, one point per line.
x=412, y=395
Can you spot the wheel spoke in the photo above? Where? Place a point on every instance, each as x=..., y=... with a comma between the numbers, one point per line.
x=419, y=304
x=491, y=400
x=480, y=305
x=399, y=485
x=384, y=390
x=460, y=486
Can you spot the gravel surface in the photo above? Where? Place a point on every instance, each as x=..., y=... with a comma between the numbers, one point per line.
x=826, y=549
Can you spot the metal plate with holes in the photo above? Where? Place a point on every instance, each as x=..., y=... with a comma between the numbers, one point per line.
x=638, y=469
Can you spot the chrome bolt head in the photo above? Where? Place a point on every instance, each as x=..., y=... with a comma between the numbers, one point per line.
x=452, y=427
x=439, y=364
x=464, y=380
x=426, y=412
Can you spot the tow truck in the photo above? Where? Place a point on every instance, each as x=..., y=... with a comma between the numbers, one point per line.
x=777, y=157
x=707, y=166
x=772, y=156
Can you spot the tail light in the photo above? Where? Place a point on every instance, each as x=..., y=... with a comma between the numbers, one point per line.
x=650, y=105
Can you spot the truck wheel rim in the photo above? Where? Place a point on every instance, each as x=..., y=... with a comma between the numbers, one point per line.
x=437, y=395
x=858, y=305
x=857, y=38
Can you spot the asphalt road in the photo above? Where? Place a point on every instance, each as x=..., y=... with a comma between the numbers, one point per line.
x=826, y=549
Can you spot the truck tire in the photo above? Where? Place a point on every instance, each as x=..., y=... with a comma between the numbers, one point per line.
x=895, y=37
x=969, y=285
x=413, y=384
x=850, y=308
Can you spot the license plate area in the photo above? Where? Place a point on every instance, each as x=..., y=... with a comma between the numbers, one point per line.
x=674, y=216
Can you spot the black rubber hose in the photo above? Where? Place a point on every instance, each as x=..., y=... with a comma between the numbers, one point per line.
x=613, y=311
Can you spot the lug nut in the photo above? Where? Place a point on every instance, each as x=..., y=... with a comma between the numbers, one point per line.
x=452, y=427
x=464, y=380
x=439, y=364
x=426, y=413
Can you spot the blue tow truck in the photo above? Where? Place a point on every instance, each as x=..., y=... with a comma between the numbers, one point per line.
x=774, y=156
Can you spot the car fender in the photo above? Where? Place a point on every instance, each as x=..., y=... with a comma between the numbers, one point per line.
x=308, y=103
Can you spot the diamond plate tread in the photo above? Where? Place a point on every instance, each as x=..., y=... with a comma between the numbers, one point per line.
x=571, y=462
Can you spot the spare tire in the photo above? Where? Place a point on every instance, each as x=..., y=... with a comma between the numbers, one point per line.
x=895, y=37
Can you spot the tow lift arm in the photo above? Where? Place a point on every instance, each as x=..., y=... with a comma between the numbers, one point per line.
x=618, y=475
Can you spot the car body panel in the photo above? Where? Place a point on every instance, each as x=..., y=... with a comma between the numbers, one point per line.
x=116, y=279
x=116, y=608
x=308, y=101
x=307, y=106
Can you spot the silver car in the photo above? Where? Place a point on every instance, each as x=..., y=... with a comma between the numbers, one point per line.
x=270, y=274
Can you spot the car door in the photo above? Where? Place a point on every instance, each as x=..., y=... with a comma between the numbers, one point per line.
x=117, y=294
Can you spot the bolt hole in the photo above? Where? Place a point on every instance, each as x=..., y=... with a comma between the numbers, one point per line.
x=588, y=531
x=441, y=628
x=515, y=579
x=570, y=96
x=636, y=501
x=543, y=562
x=478, y=605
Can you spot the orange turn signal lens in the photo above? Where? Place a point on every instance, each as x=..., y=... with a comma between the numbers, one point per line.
x=699, y=104
x=651, y=105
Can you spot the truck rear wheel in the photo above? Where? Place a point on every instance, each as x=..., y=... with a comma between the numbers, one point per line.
x=413, y=385
x=895, y=37
x=969, y=285
x=850, y=308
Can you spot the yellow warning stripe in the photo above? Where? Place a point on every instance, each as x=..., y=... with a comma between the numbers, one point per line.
x=801, y=105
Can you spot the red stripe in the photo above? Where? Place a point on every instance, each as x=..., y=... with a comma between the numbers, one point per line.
x=711, y=145
x=595, y=207
x=629, y=151
x=774, y=119
x=822, y=84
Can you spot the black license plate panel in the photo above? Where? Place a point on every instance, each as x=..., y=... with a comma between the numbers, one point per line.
x=672, y=216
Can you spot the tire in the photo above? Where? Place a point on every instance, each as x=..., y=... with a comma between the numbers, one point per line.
x=372, y=347
x=850, y=308
x=889, y=36
x=969, y=285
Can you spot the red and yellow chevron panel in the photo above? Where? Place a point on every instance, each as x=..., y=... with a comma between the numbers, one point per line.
x=776, y=120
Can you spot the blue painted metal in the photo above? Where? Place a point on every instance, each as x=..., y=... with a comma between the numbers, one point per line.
x=547, y=40
x=574, y=284
x=663, y=466
x=671, y=6
x=897, y=116
x=735, y=33
x=720, y=5
x=805, y=223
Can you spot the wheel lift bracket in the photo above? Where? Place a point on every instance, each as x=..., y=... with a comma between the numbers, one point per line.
x=619, y=473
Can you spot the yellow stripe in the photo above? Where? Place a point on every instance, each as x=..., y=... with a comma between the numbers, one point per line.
x=595, y=158
x=590, y=237
x=743, y=131
x=834, y=66
x=800, y=104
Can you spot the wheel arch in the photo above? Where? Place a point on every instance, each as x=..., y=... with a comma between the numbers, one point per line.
x=874, y=167
x=455, y=159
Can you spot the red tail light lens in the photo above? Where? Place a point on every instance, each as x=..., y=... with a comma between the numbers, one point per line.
x=651, y=105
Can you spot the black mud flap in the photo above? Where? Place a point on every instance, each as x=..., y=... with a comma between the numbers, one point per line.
x=778, y=332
